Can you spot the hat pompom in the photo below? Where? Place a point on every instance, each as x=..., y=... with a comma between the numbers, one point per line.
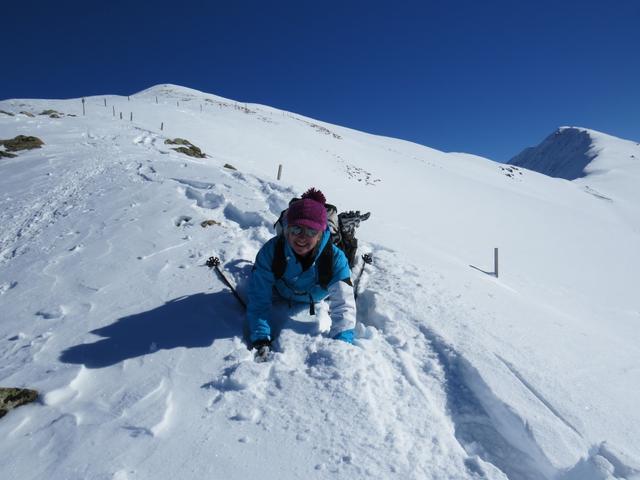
x=316, y=195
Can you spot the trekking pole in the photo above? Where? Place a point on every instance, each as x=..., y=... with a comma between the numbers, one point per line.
x=367, y=259
x=214, y=262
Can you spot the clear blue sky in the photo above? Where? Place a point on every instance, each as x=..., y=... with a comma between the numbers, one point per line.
x=484, y=77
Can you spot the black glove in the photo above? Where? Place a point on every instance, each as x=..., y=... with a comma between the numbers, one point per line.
x=262, y=342
x=262, y=347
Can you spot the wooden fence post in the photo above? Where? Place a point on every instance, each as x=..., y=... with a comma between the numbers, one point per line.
x=114, y=110
x=495, y=261
x=131, y=118
x=156, y=99
x=161, y=126
x=105, y=102
x=279, y=171
x=83, y=106
x=120, y=115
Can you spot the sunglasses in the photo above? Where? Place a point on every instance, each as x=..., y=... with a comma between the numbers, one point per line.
x=297, y=231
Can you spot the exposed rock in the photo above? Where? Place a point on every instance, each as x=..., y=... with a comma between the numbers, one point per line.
x=192, y=151
x=229, y=166
x=177, y=141
x=52, y=113
x=209, y=223
x=28, y=114
x=7, y=113
x=21, y=142
x=11, y=398
x=188, y=149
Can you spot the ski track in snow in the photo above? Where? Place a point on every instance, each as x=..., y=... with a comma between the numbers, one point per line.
x=22, y=226
x=539, y=396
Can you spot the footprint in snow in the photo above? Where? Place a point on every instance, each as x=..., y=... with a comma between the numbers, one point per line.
x=183, y=221
x=135, y=432
x=52, y=313
x=6, y=286
x=245, y=219
x=207, y=199
x=76, y=248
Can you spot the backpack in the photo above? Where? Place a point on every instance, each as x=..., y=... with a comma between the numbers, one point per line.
x=342, y=228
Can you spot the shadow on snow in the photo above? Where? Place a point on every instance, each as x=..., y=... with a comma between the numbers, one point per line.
x=194, y=321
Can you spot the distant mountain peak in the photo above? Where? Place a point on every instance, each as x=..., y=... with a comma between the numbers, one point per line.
x=576, y=152
x=563, y=154
x=169, y=87
x=178, y=92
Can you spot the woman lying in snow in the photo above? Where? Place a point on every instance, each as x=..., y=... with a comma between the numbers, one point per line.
x=302, y=265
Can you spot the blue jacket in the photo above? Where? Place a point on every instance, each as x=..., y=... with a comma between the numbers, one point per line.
x=295, y=286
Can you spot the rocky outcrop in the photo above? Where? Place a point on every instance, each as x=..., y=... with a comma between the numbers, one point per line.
x=187, y=147
x=11, y=398
x=21, y=142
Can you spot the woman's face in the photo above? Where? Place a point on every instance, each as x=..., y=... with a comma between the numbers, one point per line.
x=303, y=240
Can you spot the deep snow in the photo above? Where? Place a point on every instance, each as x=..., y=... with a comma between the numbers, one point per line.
x=136, y=347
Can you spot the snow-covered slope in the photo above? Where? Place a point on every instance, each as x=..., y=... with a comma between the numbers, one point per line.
x=106, y=307
x=603, y=165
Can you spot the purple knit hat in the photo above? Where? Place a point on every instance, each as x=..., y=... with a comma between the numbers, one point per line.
x=309, y=211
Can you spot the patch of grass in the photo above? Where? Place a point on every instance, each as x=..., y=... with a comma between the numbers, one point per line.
x=21, y=142
x=192, y=151
x=177, y=141
x=209, y=223
x=11, y=398
x=188, y=149
x=52, y=113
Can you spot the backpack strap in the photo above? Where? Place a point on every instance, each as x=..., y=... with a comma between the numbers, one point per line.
x=325, y=265
x=279, y=263
x=325, y=262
